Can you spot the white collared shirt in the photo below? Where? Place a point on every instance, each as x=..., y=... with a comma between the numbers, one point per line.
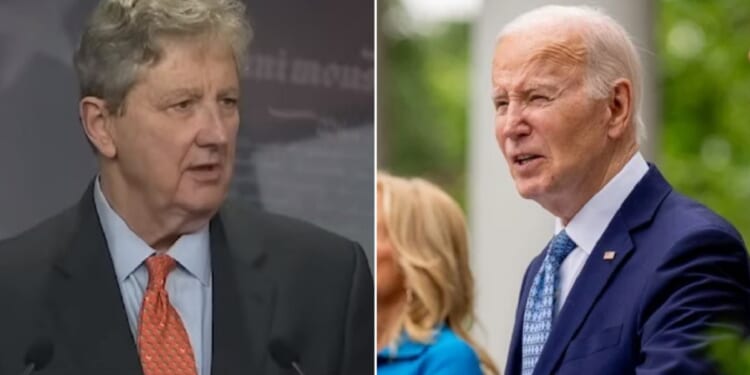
x=588, y=225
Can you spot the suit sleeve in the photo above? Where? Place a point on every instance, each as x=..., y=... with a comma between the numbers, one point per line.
x=359, y=348
x=702, y=286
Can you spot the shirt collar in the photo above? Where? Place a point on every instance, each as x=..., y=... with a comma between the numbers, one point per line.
x=191, y=251
x=128, y=251
x=588, y=225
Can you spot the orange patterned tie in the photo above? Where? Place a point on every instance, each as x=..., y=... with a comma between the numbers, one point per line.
x=162, y=340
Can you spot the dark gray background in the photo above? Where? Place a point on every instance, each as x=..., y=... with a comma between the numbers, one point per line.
x=306, y=140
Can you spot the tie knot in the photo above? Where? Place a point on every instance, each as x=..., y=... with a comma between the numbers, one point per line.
x=159, y=266
x=560, y=247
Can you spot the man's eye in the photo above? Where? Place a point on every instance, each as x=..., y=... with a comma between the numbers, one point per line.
x=229, y=102
x=183, y=105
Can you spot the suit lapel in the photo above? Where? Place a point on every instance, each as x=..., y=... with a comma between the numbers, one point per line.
x=88, y=303
x=242, y=297
x=637, y=210
x=585, y=292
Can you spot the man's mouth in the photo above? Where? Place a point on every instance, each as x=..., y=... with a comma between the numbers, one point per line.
x=205, y=167
x=523, y=159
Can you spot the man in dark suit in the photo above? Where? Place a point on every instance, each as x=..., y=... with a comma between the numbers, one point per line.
x=152, y=272
x=637, y=278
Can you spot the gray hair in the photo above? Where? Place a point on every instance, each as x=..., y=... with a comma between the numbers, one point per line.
x=611, y=53
x=123, y=36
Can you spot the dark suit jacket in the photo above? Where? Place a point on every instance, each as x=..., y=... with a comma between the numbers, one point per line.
x=273, y=277
x=679, y=269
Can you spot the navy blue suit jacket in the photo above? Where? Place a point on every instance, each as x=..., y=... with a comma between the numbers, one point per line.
x=679, y=271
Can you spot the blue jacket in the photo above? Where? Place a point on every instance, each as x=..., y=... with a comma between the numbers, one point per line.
x=679, y=268
x=447, y=354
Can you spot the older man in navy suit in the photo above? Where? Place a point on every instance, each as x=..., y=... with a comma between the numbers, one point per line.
x=637, y=276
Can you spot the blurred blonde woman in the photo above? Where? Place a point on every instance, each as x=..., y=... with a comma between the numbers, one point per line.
x=425, y=286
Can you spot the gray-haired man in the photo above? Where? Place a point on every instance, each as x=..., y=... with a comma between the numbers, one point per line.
x=152, y=273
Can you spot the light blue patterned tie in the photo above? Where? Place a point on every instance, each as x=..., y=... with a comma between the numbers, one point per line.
x=540, y=306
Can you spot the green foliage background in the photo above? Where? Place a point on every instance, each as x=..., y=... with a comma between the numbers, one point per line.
x=423, y=95
x=705, y=143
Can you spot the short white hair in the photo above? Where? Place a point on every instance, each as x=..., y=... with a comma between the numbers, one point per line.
x=611, y=53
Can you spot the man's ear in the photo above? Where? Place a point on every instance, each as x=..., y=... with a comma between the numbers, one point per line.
x=620, y=106
x=96, y=120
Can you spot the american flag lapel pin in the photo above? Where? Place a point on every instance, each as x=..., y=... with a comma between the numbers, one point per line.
x=609, y=255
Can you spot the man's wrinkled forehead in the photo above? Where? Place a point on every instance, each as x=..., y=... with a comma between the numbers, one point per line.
x=521, y=55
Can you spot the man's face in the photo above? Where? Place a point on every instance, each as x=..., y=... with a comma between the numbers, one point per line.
x=551, y=132
x=175, y=141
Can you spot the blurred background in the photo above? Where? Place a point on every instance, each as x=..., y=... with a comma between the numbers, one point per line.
x=435, y=119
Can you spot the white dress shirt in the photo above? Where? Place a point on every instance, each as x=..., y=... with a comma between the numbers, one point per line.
x=588, y=225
